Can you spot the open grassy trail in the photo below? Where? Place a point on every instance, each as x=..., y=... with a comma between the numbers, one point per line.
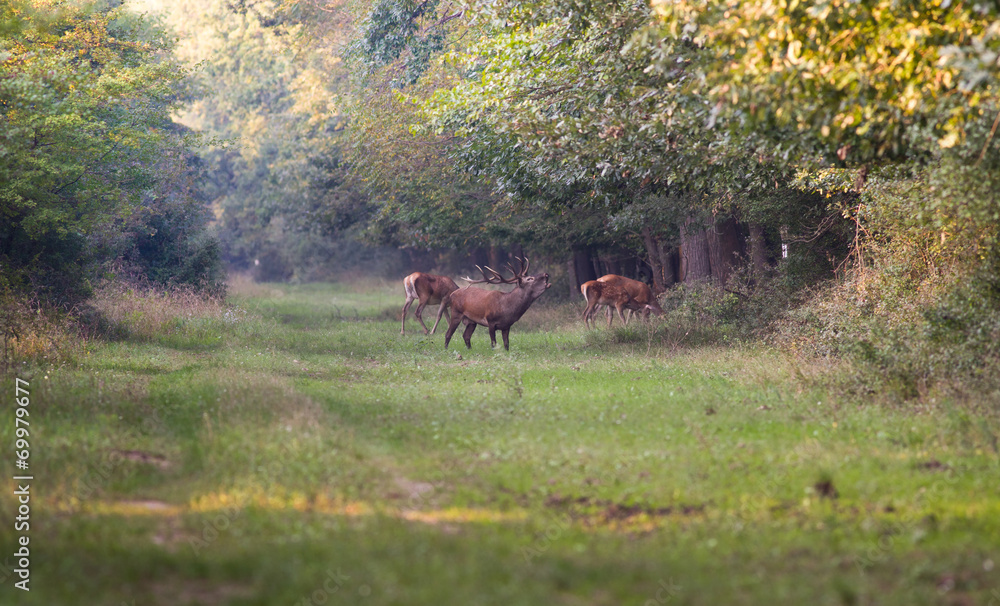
x=297, y=450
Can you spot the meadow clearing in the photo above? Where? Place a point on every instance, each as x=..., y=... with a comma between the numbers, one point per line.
x=290, y=447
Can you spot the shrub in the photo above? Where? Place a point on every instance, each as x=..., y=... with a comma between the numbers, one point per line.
x=920, y=309
x=81, y=139
x=34, y=333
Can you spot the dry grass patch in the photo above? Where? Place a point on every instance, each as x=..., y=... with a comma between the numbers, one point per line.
x=34, y=334
x=147, y=312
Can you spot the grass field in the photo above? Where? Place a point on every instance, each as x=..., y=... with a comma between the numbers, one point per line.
x=293, y=449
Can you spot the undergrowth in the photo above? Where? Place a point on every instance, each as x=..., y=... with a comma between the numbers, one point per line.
x=36, y=334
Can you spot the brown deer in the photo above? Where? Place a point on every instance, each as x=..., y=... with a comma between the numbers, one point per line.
x=429, y=289
x=491, y=308
x=606, y=293
x=639, y=291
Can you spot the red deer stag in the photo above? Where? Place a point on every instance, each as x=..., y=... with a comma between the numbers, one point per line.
x=492, y=308
x=605, y=293
x=429, y=289
x=639, y=291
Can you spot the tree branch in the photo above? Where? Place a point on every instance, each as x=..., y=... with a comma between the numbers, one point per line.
x=87, y=169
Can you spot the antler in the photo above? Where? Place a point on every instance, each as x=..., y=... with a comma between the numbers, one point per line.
x=495, y=278
x=523, y=271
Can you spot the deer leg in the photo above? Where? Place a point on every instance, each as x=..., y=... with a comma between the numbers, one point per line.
x=607, y=308
x=453, y=323
x=621, y=315
x=406, y=307
x=505, y=333
x=443, y=310
x=467, y=335
x=420, y=309
x=588, y=315
x=493, y=335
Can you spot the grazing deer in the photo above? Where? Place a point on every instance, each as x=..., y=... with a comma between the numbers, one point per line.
x=491, y=308
x=639, y=291
x=429, y=289
x=606, y=293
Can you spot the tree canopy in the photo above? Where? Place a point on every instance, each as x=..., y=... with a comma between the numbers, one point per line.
x=86, y=95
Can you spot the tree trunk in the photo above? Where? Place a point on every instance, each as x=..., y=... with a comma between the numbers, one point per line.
x=611, y=265
x=668, y=265
x=497, y=257
x=598, y=270
x=574, y=286
x=420, y=260
x=758, y=249
x=584, y=268
x=479, y=256
x=655, y=261
x=724, y=248
x=635, y=268
x=694, y=252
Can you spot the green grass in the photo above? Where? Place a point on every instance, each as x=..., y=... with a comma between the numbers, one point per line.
x=298, y=450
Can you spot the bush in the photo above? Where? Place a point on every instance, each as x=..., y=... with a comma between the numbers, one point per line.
x=82, y=139
x=171, y=246
x=33, y=333
x=920, y=309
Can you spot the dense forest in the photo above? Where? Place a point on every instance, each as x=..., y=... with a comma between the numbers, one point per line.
x=821, y=174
